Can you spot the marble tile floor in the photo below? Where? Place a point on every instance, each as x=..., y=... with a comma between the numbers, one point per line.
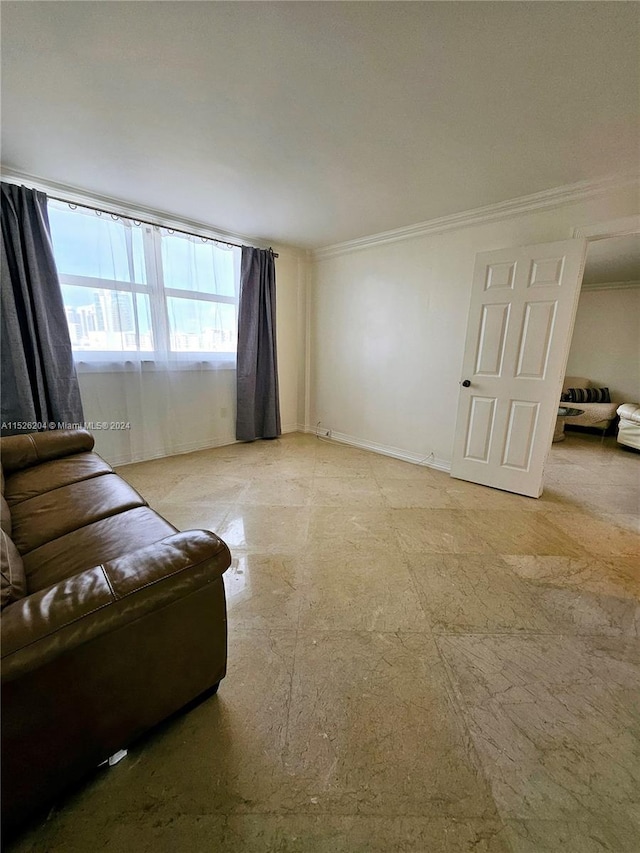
x=416, y=664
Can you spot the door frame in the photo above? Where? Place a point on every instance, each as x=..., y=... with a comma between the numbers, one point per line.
x=625, y=226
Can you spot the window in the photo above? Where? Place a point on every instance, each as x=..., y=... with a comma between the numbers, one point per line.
x=135, y=288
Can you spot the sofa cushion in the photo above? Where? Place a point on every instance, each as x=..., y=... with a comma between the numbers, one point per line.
x=22, y=451
x=31, y=482
x=13, y=581
x=48, y=516
x=93, y=544
x=593, y=415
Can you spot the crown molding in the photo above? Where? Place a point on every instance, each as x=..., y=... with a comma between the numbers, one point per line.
x=610, y=285
x=622, y=227
x=525, y=204
x=77, y=195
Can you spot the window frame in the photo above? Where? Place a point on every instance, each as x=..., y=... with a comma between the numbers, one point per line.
x=158, y=295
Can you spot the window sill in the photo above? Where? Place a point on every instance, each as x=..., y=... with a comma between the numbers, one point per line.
x=105, y=362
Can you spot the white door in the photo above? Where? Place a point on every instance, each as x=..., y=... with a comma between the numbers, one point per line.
x=523, y=307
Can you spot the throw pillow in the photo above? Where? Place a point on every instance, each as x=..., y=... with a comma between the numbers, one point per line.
x=588, y=395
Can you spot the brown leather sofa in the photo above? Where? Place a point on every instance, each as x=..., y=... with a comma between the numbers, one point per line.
x=112, y=620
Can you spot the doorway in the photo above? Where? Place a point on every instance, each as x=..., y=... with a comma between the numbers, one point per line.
x=604, y=352
x=524, y=301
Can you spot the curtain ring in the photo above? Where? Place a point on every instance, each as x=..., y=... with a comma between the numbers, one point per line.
x=73, y=206
x=115, y=217
x=98, y=213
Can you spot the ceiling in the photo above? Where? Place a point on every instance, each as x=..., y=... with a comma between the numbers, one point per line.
x=313, y=123
x=614, y=260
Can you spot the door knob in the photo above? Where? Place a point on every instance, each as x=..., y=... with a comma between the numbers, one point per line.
x=466, y=383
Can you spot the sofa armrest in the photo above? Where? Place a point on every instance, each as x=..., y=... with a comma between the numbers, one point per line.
x=629, y=412
x=52, y=621
x=23, y=451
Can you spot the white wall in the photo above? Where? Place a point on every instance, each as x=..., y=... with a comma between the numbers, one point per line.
x=177, y=412
x=291, y=287
x=388, y=325
x=606, y=341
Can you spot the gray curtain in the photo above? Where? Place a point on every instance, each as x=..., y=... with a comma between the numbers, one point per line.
x=39, y=383
x=257, y=372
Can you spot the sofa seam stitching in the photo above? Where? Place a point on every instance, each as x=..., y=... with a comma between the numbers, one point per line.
x=60, y=628
x=171, y=574
x=108, y=580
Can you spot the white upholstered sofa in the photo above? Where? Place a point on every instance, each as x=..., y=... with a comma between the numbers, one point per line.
x=629, y=426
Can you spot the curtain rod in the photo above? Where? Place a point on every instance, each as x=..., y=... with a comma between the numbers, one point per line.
x=148, y=222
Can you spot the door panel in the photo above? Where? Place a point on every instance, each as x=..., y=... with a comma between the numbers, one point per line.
x=480, y=429
x=537, y=331
x=521, y=429
x=546, y=272
x=521, y=317
x=500, y=275
x=493, y=334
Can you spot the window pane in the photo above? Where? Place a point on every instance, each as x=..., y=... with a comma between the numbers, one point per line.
x=190, y=264
x=107, y=320
x=201, y=326
x=96, y=246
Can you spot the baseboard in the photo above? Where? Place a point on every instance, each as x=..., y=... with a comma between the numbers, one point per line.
x=191, y=447
x=339, y=437
x=386, y=450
